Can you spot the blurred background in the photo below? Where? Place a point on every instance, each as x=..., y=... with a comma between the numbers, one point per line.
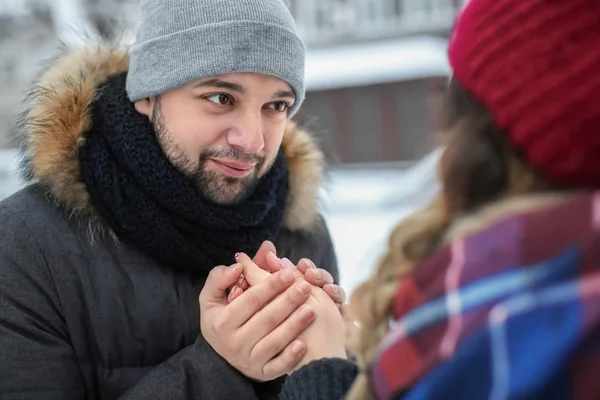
x=375, y=75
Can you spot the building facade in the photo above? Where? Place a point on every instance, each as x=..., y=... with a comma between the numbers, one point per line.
x=372, y=107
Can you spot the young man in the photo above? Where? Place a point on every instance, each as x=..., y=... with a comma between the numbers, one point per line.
x=147, y=169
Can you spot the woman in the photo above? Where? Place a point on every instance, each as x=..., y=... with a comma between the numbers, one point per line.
x=493, y=290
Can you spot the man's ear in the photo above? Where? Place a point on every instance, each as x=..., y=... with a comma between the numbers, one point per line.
x=144, y=107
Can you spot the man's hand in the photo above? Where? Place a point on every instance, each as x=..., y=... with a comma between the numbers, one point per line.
x=267, y=259
x=256, y=333
x=326, y=337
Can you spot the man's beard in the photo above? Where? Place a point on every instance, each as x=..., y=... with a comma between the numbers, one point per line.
x=213, y=186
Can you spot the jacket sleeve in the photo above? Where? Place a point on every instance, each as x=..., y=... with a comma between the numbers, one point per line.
x=195, y=373
x=326, y=379
x=38, y=360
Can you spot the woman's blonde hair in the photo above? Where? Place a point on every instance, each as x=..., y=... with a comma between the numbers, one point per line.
x=479, y=166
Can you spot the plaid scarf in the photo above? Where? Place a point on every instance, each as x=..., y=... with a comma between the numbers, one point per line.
x=510, y=312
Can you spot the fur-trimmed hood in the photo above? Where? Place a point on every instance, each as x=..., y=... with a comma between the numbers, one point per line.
x=57, y=113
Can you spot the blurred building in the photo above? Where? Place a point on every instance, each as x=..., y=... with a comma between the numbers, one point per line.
x=374, y=74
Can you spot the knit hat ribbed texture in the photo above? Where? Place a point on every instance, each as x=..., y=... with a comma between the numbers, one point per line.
x=535, y=66
x=179, y=41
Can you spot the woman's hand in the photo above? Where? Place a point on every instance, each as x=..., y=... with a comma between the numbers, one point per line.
x=326, y=336
x=267, y=259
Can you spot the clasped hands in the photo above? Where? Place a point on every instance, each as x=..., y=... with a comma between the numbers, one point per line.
x=268, y=318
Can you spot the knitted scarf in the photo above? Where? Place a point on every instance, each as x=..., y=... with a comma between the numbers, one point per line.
x=150, y=204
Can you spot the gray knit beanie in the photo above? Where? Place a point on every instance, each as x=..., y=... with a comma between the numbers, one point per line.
x=179, y=41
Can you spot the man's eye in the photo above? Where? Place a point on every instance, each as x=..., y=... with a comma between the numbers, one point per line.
x=279, y=106
x=221, y=99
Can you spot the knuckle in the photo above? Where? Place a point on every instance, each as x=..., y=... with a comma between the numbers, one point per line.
x=272, y=320
x=275, y=282
x=295, y=296
x=253, y=300
x=274, y=345
x=218, y=324
x=215, y=272
x=288, y=360
x=235, y=349
x=293, y=299
x=299, y=323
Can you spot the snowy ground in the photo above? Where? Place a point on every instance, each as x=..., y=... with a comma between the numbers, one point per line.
x=361, y=205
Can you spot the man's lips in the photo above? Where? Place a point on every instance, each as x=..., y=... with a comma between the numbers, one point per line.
x=234, y=168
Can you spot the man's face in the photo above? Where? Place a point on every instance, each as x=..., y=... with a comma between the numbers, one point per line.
x=223, y=132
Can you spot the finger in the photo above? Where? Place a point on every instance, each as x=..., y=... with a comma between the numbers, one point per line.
x=273, y=263
x=285, y=362
x=238, y=312
x=242, y=282
x=305, y=264
x=276, y=312
x=252, y=273
x=218, y=281
x=260, y=258
x=274, y=342
x=337, y=294
x=234, y=293
x=318, y=277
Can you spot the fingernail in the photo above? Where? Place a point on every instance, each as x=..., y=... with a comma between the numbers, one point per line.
x=306, y=313
x=318, y=274
x=235, y=292
x=241, y=280
x=309, y=263
x=297, y=348
x=335, y=289
x=303, y=287
x=236, y=255
x=287, y=264
x=287, y=277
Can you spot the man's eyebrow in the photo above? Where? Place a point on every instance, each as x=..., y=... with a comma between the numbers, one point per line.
x=284, y=93
x=219, y=83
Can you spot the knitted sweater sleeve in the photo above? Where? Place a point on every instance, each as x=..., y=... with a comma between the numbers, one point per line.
x=329, y=378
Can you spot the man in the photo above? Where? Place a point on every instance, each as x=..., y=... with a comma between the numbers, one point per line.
x=146, y=170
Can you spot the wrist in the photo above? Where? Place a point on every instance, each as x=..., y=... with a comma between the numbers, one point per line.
x=310, y=357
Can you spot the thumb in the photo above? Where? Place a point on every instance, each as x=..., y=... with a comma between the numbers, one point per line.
x=251, y=271
x=219, y=280
x=260, y=258
x=273, y=263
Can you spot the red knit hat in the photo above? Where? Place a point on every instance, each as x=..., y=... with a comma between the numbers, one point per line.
x=535, y=66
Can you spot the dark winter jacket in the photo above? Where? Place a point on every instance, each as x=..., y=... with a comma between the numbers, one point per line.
x=81, y=315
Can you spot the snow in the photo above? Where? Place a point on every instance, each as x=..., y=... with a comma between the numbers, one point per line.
x=363, y=206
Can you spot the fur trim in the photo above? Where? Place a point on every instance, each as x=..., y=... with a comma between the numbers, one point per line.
x=58, y=112
x=306, y=164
